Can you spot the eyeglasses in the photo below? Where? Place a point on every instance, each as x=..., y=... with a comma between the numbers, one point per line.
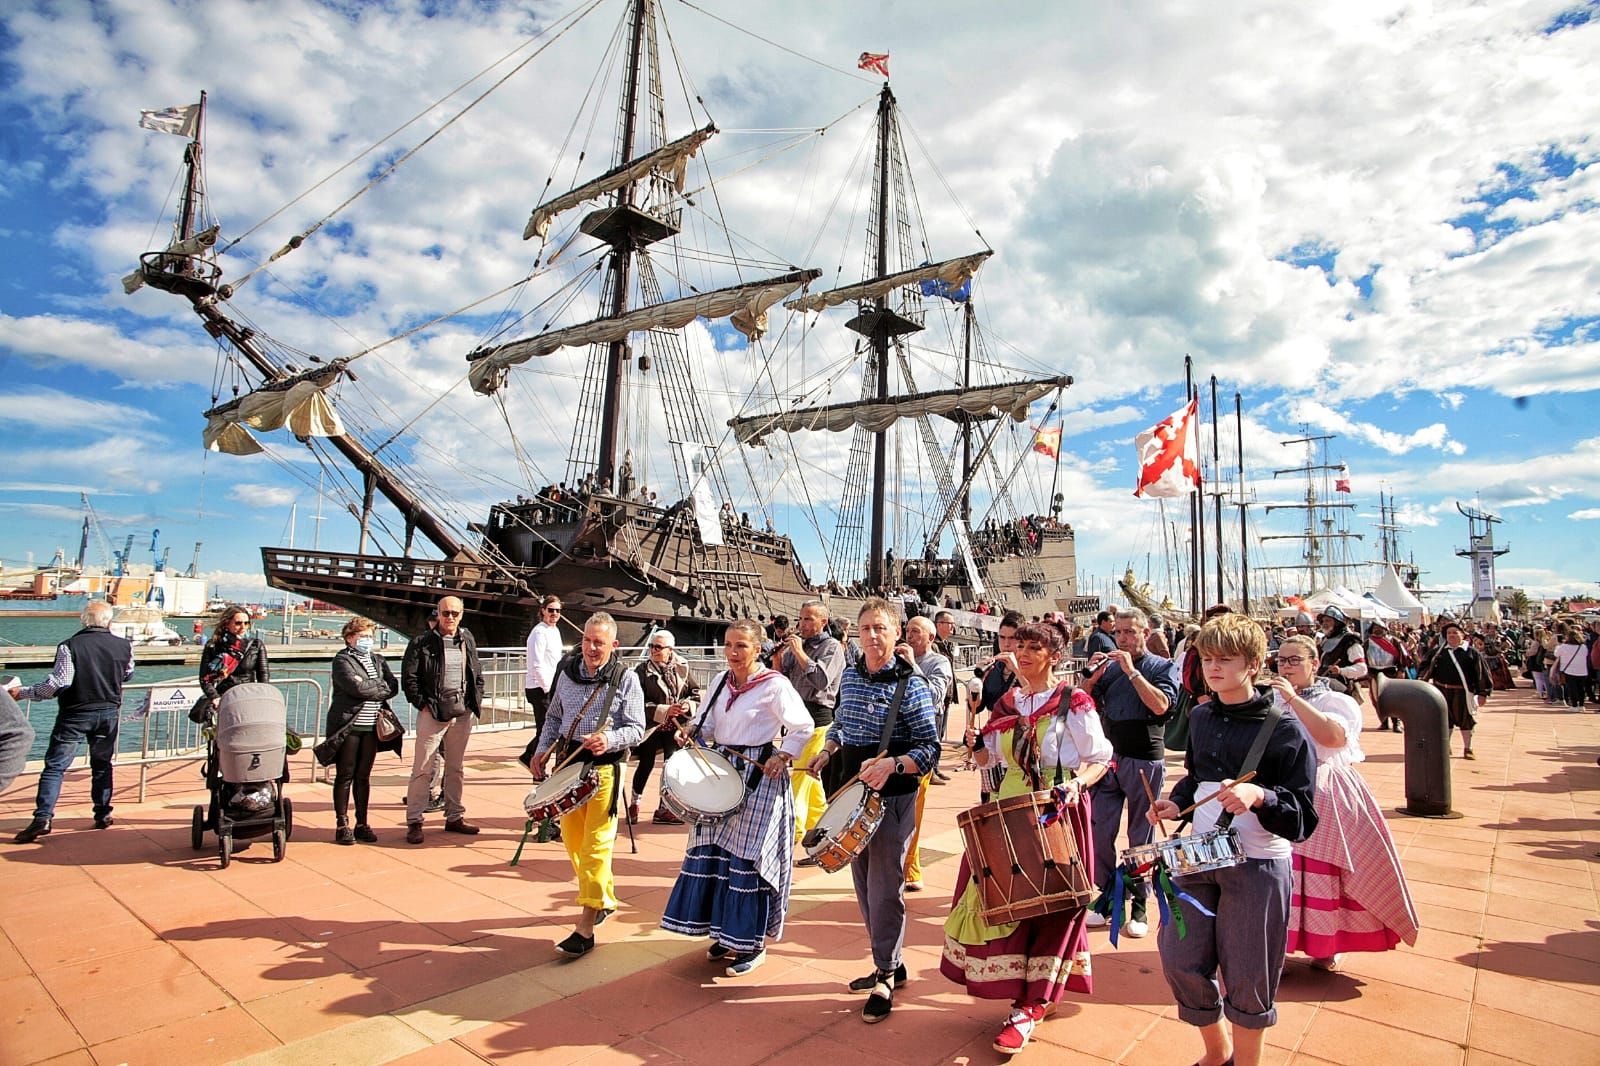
x=661, y=647
x=1291, y=660
x=449, y=614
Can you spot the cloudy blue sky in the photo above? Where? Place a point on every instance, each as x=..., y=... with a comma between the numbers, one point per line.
x=1375, y=219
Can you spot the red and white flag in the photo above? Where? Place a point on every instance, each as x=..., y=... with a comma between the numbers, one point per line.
x=1341, y=480
x=1047, y=441
x=1169, y=454
x=877, y=62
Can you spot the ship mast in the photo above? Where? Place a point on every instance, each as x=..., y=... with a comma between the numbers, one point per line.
x=966, y=423
x=880, y=344
x=193, y=277
x=622, y=248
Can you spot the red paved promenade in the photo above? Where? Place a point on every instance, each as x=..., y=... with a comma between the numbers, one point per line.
x=125, y=946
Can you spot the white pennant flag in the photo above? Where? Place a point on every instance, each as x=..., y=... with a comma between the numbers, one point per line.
x=180, y=120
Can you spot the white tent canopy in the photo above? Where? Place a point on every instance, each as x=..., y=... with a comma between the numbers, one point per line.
x=1392, y=591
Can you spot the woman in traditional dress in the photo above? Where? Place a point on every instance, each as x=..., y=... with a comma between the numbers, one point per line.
x=1349, y=891
x=1044, y=732
x=734, y=883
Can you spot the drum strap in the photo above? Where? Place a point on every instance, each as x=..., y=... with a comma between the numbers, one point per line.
x=610, y=689
x=1252, y=759
x=892, y=715
x=705, y=708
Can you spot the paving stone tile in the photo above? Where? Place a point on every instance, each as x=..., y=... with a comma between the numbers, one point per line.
x=32, y=1027
x=218, y=1036
x=1516, y=1036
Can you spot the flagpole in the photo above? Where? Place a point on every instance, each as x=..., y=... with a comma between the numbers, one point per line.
x=1197, y=569
x=1216, y=490
x=1244, y=540
x=1055, y=475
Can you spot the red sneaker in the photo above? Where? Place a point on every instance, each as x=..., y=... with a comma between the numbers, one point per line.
x=1019, y=1028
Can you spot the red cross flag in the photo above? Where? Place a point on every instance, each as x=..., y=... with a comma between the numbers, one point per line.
x=1341, y=480
x=1169, y=454
x=877, y=62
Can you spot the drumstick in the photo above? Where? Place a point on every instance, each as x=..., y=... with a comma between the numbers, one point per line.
x=1202, y=802
x=1151, y=796
x=692, y=745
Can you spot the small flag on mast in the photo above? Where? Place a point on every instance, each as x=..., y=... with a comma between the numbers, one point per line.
x=1169, y=454
x=183, y=121
x=1341, y=480
x=877, y=62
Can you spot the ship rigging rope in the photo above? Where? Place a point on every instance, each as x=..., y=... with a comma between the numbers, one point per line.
x=782, y=48
x=572, y=19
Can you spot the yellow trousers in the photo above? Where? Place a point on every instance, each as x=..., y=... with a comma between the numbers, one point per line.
x=810, y=800
x=589, y=833
x=914, y=854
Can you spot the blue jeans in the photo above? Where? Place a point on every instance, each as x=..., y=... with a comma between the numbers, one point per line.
x=1118, y=789
x=72, y=728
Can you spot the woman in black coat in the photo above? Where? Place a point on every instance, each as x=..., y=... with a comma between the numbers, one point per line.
x=363, y=685
x=230, y=657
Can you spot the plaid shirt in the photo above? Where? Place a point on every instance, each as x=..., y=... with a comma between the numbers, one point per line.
x=863, y=703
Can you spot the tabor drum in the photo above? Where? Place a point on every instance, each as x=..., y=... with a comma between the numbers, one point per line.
x=563, y=791
x=1193, y=854
x=846, y=825
x=1023, y=869
x=701, y=786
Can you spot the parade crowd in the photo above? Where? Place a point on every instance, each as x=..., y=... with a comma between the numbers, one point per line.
x=817, y=744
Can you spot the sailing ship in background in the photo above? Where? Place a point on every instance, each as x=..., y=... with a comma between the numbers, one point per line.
x=945, y=520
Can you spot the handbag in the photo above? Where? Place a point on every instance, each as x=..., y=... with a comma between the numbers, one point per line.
x=327, y=750
x=388, y=727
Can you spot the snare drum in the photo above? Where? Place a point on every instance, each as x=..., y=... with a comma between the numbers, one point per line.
x=563, y=791
x=701, y=786
x=1024, y=869
x=844, y=829
x=1196, y=853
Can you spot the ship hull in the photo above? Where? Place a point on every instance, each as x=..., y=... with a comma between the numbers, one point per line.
x=646, y=568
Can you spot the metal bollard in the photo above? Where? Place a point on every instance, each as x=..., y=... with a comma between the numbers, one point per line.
x=1421, y=709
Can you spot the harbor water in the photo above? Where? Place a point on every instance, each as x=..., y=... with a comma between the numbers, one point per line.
x=284, y=658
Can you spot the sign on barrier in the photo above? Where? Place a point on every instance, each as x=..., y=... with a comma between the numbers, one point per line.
x=173, y=699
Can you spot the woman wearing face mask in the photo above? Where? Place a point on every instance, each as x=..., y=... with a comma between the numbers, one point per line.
x=363, y=685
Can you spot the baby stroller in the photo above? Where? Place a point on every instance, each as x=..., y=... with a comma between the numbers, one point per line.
x=245, y=771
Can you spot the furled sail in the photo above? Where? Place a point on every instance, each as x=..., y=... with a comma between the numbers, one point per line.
x=745, y=307
x=672, y=160
x=953, y=272
x=195, y=245
x=299, y=404
x=980, y=402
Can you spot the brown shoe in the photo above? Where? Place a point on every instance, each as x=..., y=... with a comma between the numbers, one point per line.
x=413, y=832
x=461, y=825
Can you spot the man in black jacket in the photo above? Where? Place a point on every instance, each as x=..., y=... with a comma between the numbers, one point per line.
x=443, y=681
x=86, y=681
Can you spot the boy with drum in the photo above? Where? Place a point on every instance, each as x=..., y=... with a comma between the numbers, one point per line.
x=596, y=714
x=1242, y=931
x=734, y=882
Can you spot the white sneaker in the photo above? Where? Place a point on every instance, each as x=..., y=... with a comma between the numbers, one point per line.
x=1096, y=920
x=1135, y=929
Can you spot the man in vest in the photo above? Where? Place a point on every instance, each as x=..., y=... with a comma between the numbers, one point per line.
x=86, y=682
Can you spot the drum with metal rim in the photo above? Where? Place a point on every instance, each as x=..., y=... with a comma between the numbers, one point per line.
x=844, y=829
x=1196, y=853
x=701, y=786
x=563, y=791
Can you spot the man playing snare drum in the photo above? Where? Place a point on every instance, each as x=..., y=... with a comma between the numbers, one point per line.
x=734, y=884
x=596, y=714
x=865, y=698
